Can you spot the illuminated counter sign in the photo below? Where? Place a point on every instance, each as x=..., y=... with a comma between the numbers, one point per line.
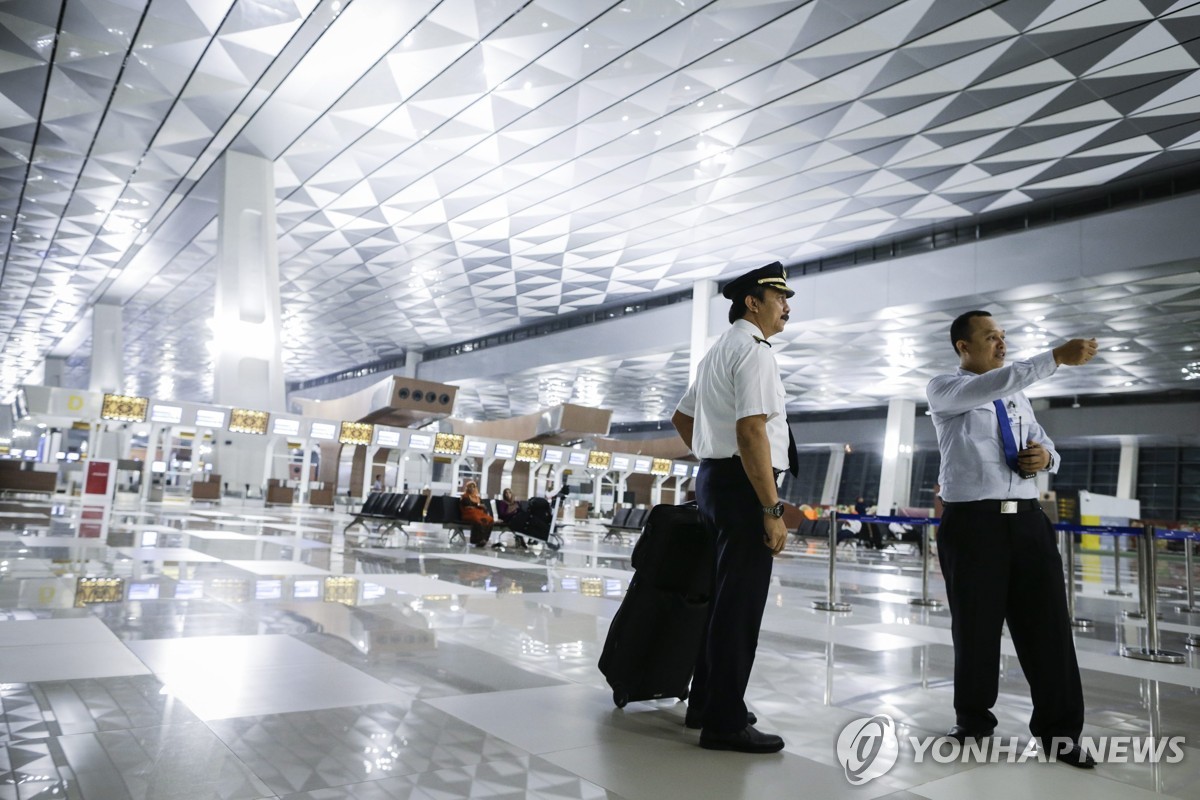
x=477, y=447
x=322, y=430
x=357, y=433
x=387, y=438
x=598, y=459
x=172, y=415
x=210, y=418
x=660, y=466
x=282, y=426
x=505, y=451
x=99, y=590
x=341, y=589
x=124, y=408
x=306, y=589
x=620, y=462
x=448, y=444
x=529, y=451
x=420, y=441
x=578, y=458
x=641, y=465
x=553, y=456
x=268, y=589
x=681, y=469
x=695, y=470
x=245, y=420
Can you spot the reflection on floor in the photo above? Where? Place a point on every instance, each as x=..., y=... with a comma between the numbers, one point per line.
x=243, y=652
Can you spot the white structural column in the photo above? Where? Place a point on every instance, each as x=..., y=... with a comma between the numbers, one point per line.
x=833, y=474
x=107, y=374
x=412, y=363
x=702, y=295
x=248, y=369
x=895, y=476
x=1127, y=468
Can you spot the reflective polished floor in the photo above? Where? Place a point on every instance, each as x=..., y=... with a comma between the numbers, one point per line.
x=250, y=652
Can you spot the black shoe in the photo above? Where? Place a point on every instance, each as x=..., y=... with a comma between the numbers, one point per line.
x=747, y=740
x=1075, y=757
x=696, y=721
x=960, y=733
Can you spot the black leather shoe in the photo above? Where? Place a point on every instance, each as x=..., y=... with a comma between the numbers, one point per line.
x=960, y=733
x=747, y=740
x=696, y=722
x=1076, y=758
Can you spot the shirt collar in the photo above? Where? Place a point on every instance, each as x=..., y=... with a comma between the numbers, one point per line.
x=748, y=327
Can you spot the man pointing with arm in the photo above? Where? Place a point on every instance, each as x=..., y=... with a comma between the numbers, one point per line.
x=996, y=547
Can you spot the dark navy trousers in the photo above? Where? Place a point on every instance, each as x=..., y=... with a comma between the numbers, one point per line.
x=730, y=508
x=1006, y=568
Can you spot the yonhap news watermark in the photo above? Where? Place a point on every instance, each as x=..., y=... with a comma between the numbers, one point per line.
x=869, y=747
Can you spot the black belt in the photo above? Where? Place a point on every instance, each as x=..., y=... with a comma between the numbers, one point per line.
x=996, y=506
x=738, y=459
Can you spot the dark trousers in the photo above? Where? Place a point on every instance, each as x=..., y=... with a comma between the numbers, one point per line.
x=1006, y=568
x=730, y=508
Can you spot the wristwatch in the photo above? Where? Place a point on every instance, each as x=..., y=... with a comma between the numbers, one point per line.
x=1050, y=463
x=775, y=510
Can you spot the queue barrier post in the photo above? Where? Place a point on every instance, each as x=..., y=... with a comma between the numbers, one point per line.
x=1117, y=591
x=926, y=549
x=1148, y=586
x=1189, y=581
x=831, y=603
x=1140, y=613
x=1069, y=547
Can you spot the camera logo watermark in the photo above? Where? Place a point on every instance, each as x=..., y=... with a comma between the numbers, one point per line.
x=869, y=747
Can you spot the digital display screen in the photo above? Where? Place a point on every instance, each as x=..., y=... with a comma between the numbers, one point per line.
x=124, y=408
x=268, y=590
x=306, y=589
x=285, y=427
x=172, y=415
x=387, y=438
x=322, y=430
x=620, y=462
x=598, y=459
x=529, y=451
x=448, y=444
x=356, y=433
x=373, y=591
x=641, y=465
x=505, y=451
x=189, y=590
x=420, y=441
x=210, y=418
x=578, y=458
x=680, y=469
x=660, y=466
x=553, y=456
x=158, y=466
x=245, y=420
x=695, y=470
x=477, y=447
x=143, y=591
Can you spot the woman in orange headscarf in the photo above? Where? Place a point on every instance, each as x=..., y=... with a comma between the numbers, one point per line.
x=475, y=514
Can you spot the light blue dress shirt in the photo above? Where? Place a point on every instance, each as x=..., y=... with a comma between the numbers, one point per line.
x=968, y=432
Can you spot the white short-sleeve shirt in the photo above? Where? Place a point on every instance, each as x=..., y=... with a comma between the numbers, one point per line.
x=737, y=378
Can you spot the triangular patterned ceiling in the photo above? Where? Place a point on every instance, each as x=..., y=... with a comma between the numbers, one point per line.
x=446, y=170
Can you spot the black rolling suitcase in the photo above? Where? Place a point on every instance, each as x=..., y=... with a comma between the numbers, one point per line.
x=656, y=634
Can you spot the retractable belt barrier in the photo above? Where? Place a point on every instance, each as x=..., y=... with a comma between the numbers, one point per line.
x=1147, y=583
x=831, y=602
x=1147, y=574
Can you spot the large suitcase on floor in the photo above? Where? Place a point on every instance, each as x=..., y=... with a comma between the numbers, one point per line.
x=654, y=638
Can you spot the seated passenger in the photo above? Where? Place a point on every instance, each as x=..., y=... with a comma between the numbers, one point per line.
x=508, y=507
x=475, y=514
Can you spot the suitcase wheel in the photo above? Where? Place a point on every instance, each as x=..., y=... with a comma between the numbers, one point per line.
x=620, y=697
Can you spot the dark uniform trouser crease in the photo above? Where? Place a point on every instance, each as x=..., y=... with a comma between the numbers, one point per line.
x=1006, y=568
x=729, y=505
